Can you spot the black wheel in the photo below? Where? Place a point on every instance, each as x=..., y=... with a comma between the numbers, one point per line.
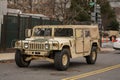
x=20, y=59
x=91, y=59
x=62, y=60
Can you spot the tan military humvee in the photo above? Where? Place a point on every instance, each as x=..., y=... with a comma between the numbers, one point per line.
x=58, y=44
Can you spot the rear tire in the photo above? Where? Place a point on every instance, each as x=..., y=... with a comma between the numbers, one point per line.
x=62, y=60
x=91, y=59
x=20, y=59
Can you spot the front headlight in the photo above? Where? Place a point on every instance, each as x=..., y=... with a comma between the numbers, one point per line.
x=47, y=46
x=26, y=45
x=17, y=44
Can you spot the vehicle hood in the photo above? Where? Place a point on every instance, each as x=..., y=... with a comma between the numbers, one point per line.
x=36, y=39
x=60, y=40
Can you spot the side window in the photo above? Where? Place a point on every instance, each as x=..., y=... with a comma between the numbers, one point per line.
x=63, y=32
x=79, y=33
x=87, y=33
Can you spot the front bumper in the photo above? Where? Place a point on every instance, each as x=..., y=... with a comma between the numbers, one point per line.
x=37, y=53
x=116, y=48
x=116, y=45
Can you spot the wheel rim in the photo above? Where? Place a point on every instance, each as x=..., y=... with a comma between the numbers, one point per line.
x=64, y=59
x=93, y=55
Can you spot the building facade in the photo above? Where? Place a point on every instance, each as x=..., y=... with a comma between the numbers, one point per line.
x=3, y=11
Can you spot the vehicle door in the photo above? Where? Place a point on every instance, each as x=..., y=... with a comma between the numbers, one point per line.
x=79, y=41
x=86, y=39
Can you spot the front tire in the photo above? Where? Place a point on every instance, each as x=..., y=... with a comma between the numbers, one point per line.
x=62, y=60
x=91, y=59
x=20, y=59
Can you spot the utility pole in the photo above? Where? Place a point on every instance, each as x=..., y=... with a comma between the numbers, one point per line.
x=96, y=16
x=99, y=20
x=95, y=11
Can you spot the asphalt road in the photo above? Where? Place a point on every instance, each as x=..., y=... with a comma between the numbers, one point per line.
x=107, y=67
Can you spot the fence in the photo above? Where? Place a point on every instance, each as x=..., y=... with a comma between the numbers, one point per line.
x=14, y=26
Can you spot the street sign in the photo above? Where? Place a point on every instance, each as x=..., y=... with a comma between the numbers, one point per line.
x=98, y=11
x=93, y=16
x=99, y=21
x=92, y=3
x=98, y=16
x=98, y=8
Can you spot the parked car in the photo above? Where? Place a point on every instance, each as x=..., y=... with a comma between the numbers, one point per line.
x=58, y=44
x=116, y=44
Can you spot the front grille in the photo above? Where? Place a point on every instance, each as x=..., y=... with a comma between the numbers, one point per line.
x=36, y=46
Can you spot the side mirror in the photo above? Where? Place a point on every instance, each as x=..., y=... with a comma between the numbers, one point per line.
x=28, y=33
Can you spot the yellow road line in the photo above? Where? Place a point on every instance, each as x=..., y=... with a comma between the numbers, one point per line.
x=92, y=72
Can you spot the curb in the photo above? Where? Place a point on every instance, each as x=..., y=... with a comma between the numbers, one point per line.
x=6, y=61
x=107, y=49
x=6, y=56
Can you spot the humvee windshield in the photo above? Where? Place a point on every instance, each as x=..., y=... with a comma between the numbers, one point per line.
x=42, y=32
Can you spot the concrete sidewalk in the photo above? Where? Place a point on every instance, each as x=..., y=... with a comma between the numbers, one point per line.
x=10, y=56
x=6, y=56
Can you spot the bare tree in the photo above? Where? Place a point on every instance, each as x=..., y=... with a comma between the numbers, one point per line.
x=52, y=8
x=61, y=9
